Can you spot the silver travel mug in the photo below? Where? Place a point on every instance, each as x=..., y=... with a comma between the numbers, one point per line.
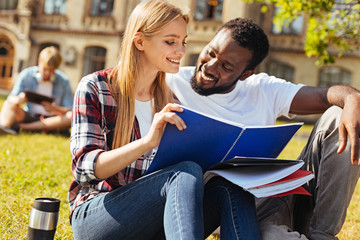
x=43, y=219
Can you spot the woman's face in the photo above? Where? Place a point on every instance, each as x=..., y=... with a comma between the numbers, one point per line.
x=164, y=50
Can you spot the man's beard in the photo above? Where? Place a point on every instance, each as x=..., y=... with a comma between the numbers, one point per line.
x=208, y=91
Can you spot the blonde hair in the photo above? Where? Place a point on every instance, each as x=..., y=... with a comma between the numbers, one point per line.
x=148, y=17
x=50, y=56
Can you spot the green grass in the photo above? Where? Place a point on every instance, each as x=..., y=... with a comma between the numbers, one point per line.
x=38, y=165
x=31, y=166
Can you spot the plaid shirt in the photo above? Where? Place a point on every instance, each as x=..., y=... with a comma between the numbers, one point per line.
x=94, y=115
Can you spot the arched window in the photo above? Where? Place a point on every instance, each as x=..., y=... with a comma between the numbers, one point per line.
x=6, y=62
x=94, y=59
x=334, y=75
x=55, y=7
x=193, y=59
x=3, y=51
x=209, y=10
x=280, y=70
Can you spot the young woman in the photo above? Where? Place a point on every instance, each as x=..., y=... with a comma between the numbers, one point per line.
x=118, y=119
x=114, y=132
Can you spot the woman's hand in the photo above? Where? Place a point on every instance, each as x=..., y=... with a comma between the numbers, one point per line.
x=111, y=162
x=166, y=115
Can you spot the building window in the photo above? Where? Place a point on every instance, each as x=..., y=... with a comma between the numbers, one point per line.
x=55, y=7
x=102, y=7
x=3, y=52
x=209, y=10
x=293, y=28
x=8, y=4
x=334, y=75
x=94, y=59
x=280, y=70
x=193, y=59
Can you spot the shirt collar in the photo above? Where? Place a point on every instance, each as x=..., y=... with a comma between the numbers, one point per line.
x=39, y=77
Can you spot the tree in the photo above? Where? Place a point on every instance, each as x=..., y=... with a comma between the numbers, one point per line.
x=332, y=25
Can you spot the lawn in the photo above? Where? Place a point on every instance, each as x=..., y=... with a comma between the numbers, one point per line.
x=38, y=165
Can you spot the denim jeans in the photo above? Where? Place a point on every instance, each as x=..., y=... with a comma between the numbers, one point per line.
x=169, y=199
x=230, y=207
x=169, y=203
x=321, y=215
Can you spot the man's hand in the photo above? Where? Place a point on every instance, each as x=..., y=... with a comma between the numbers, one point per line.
x=55, y=109
x=311, y=100
x=349, y=126
x=49, y=107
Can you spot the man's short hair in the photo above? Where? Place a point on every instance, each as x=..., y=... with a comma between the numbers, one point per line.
x=250, y=36
x=51, y=57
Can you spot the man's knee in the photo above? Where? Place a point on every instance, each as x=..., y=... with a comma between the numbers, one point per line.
x=8, y=106
x=11, y=113
x=68, y=115
x=329, y=121
x=332, y=113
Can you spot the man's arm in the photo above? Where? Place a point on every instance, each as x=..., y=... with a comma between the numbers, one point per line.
x=55, y=109
x=311, y=100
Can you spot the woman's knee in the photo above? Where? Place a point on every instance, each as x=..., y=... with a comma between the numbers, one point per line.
x=189, y=167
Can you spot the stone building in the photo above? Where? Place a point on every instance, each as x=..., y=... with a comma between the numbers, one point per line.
x=89, y=32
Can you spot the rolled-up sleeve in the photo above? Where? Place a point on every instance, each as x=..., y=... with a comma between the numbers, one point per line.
x=87, y=136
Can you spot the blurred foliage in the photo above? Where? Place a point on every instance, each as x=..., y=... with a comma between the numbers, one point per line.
x=332, y=25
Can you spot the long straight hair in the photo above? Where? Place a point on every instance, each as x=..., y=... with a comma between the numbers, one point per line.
x=148, y=17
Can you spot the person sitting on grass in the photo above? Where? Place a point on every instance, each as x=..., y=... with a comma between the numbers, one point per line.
x=45, y=116
x=224, y=84
x=119, y=116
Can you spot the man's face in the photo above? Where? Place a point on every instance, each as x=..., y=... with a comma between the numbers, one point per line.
x=46, y=71
x=220, y=65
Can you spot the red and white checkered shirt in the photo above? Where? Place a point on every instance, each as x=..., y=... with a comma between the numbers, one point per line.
x=92, y=130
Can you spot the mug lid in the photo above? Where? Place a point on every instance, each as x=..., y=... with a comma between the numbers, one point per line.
x=47, y=204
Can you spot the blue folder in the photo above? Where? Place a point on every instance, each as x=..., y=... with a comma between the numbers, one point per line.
x=209, y=140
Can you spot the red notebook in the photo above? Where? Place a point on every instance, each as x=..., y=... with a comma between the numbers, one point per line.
x=298, y=174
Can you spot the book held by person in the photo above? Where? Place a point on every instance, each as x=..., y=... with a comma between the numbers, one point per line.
x=210, y=140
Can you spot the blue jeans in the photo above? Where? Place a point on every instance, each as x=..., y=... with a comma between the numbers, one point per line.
x=170, y=199
x=230, y=207
x=169, y=203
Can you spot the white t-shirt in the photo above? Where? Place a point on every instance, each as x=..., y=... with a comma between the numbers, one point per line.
x=44, y=88
x=259, y=100
x=144, y=115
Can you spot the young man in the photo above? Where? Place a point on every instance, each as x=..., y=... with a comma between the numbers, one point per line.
x=224, y=84
x=44, y=116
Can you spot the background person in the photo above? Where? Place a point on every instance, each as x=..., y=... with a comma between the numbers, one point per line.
x=44, y=79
